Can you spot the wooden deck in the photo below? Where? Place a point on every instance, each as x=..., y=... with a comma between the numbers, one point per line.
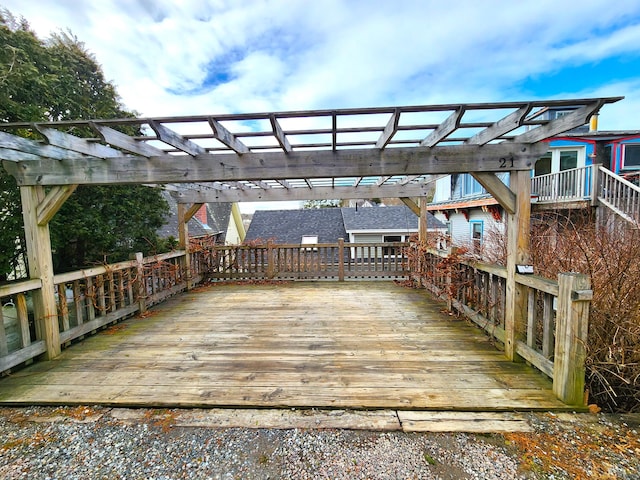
x=325, y=344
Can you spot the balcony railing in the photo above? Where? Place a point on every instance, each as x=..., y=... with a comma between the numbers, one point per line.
x=566, y=186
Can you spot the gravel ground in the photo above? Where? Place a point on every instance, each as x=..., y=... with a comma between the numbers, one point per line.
x=88, y=443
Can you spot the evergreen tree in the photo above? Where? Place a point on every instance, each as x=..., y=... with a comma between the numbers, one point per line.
x=54, y=80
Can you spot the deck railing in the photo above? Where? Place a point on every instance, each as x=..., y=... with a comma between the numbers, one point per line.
x=620, y=195
x=93, y=298
x=87, y=300
x=338, y=261
x=569, y=185
x=551, y=333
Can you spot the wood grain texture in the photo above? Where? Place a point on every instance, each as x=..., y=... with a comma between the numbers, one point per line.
x=327, y=345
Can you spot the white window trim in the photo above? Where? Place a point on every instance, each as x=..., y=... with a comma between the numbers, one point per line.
x=555, y=157
x=623, y=166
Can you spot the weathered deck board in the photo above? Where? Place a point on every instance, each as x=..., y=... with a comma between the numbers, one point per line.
x=340, y=345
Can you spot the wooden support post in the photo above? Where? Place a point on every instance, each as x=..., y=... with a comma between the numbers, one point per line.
x=518, y=245
x=271, y=267
x=141, y=287
x=23, y=319
x=341, y=259
x=422, y=222
x=572, y=325
x=41, y=267
x=4, y=346
x=183, y=241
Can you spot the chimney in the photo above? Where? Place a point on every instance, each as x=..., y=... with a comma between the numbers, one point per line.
x=593, y=123
x=201, y=214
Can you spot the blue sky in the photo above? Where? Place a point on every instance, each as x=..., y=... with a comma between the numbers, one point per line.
x=185, y=57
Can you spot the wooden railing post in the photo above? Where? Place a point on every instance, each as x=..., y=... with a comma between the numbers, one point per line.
x=449, y=279
x=183, y=240
x=140, y=282
x=596, y=184
x=341, y=259
x=518, y=253
x=41, y=267
x=271, y=267
x=572, y=324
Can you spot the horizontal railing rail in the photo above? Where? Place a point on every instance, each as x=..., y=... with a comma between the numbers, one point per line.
x=93, y=298
x=478, y=291
x=574, y=184
x=620, y=195
x=87, y=300
x=338, y=261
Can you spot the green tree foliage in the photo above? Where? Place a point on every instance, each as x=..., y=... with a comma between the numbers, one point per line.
x=97, y=222
x=55, y=80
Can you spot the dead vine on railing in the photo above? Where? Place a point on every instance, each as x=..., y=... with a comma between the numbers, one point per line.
x=609, y=255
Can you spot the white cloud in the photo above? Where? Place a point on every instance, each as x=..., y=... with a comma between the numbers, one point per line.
x=190, y=57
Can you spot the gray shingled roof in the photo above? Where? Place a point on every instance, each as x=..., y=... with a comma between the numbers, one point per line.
x=397, y=218
x=330, y=224
x=288, y=226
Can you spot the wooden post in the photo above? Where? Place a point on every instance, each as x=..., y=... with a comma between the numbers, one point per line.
x=271, y=268
x=141, y=287
x=518, y=245
x=572, y=325
x=422, y=222
x=183, y=242
x=596, y=185
x=41, y=267
x=23, y=319
x=4, y=346
x=341, y=259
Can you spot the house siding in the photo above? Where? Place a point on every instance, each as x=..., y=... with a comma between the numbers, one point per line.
x=461, y=228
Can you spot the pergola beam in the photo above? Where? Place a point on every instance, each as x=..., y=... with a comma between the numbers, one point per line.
x=31, y=148
x=503, y=194
x=192, y=210
x=279, y=134
x=389, y=130
x=276, y=165
x=413, y=206
x=52, y=202
x=174, y=139
x=444, y=129
x=125, y=142
x=502, y=126
x=225, y=136
x=76, y=144
x=561, y=125
x=301, y=194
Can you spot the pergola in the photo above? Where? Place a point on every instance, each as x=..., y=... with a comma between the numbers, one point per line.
x=296, y=155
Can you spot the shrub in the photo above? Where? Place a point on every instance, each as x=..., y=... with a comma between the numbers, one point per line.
x=610, y=256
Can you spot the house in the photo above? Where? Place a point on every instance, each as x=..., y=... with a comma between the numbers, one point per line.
x=563, y=179
x=327, y=225
x=221, y=221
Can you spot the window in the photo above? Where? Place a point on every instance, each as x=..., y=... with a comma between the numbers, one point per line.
x=543, y=165
x=470, y=186
x=631, y=157
x=389, y=239
x=559, y=160
x=568, y=159
x=309, y=240
x=476, y=234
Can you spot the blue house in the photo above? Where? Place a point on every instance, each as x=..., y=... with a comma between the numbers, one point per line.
x=581, y=169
